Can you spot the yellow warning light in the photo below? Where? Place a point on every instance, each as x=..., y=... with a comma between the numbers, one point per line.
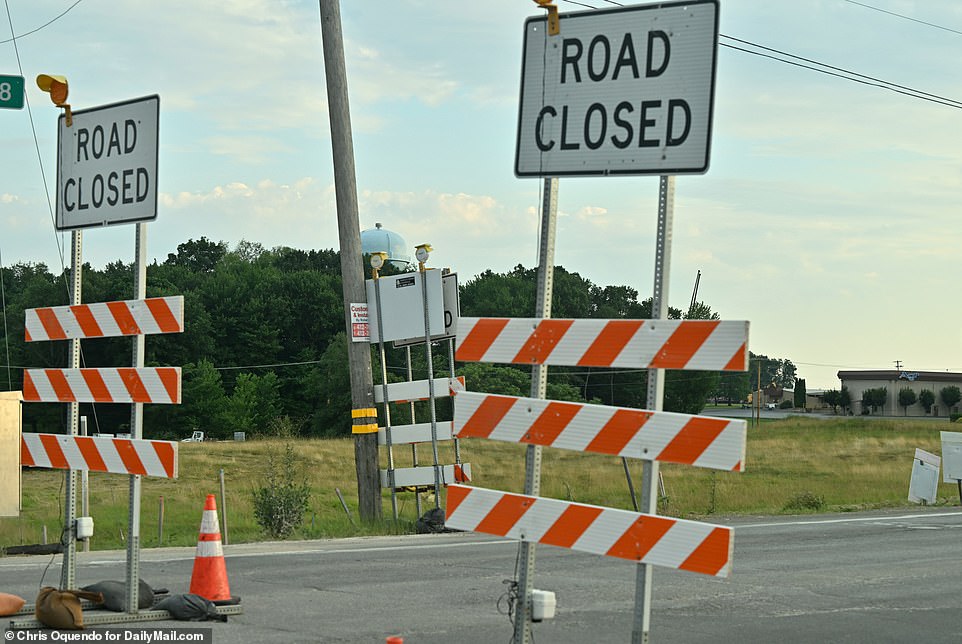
x=56, y=86
x=554, y=22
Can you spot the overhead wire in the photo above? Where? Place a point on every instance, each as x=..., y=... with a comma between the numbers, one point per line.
x=824, y=68
x=904, y=17
x=46, y=24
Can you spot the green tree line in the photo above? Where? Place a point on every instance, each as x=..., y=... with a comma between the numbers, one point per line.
x=264, y=342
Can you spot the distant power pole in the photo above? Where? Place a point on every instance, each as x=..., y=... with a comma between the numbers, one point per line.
x=898, y=365
x=352, y=272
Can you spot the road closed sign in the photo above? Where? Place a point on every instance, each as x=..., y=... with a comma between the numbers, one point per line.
x=620, y=91
x=107, y=165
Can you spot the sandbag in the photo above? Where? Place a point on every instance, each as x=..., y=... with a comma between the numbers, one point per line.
x=61, y=608
x=190, y=607
x=10, y=604
x=115, y=594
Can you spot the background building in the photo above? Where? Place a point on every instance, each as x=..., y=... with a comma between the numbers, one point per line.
x=894, y=380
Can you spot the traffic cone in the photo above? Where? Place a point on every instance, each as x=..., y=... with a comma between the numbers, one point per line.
x=209, y=578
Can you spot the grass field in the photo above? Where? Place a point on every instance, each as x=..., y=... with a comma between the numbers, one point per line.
x=794, y=465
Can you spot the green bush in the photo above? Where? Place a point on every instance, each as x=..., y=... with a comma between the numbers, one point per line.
x=805, y=501
x=280, y=503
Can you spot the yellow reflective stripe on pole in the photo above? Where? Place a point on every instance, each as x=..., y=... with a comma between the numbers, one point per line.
x=364, y=429
x=364, y=413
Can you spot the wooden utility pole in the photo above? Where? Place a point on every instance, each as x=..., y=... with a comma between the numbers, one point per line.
x=352, y=272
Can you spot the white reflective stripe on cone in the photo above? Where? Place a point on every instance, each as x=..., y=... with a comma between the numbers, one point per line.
x=210, y=549
x=208, y=523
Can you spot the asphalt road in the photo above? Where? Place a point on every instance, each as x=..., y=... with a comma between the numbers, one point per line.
x=867, y=577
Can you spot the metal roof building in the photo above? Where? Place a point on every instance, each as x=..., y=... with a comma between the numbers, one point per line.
x=894, y=380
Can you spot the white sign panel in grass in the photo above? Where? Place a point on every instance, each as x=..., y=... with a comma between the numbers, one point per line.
x=924, y=483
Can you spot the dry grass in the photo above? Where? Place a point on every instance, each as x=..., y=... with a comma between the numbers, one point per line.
x=849, y=464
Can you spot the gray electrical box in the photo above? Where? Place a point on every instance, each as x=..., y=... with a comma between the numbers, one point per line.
x=402, y=305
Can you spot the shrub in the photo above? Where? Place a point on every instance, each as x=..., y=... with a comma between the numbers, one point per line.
x=786, y=404
x=805, y=501
x=280, y=503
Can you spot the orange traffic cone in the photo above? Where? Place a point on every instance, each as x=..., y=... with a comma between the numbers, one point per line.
x=209, y=578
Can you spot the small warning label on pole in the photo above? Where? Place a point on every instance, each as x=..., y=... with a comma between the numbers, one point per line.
x=360, y=330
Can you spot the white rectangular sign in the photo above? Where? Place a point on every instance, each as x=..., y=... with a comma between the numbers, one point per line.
x=452, y=310
x=627, y=90
x=360, y=329
x=107, y=165
x=924, y=484
x=951, y=456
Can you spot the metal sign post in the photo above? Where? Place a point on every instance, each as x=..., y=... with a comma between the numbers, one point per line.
x=656, y=397
x=387, y=407
x=136, y=429
x=68, y=571
x=422, y=256
x=539, y=387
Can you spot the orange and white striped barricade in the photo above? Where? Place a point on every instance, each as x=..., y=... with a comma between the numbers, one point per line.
x=100, y=454
x=423, y=476
x=649, y=539
x=414, y=390
x=103, y=385
x=106, y=319
x=711, y=345
x=702, y=441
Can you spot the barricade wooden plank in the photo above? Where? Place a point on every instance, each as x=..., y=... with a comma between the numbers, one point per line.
x=712, y=345
x=106, y=319
x=413, y=390
x=100, y=454
x=416, y=433
x=424, y=476
x=702, y=441
x=103, y=385
x=674, y=543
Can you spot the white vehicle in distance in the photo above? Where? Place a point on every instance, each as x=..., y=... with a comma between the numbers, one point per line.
x=196, y=437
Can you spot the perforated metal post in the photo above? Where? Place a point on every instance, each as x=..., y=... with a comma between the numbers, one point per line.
x=656, y=396
x=136, y=429
x=414, y=446
x=68, y=571
x=539, y=386
x=430, y=358
x=387, y=406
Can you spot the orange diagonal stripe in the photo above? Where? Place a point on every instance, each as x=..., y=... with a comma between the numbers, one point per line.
x=610, y=343
x=124, y=318
x=52, y=447
x=129, y=456
x=623, y=425
x=51, y=324
x=171, y=381
x=552, y=421
x=711, y=555
x=570, y=526
x=737, y=363
x=96, y=385
x=693, y=439
x=163, y=315
x=60, y=387
x=486, y=417
x=480, y=339
x=87, y=322
x=504, y=514
x=542, y=341
x=640, y=537
x=30, y=393
x=165, y=453
x=456, y=494
x=88, y=449
x=26, y=458
x=679, y=349
x=135, y=386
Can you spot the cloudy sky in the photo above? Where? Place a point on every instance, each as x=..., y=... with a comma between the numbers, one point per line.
x=828, y=217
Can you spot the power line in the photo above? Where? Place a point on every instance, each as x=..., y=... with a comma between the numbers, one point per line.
x=904, y=17
x=46, y=24
x=824, y=68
